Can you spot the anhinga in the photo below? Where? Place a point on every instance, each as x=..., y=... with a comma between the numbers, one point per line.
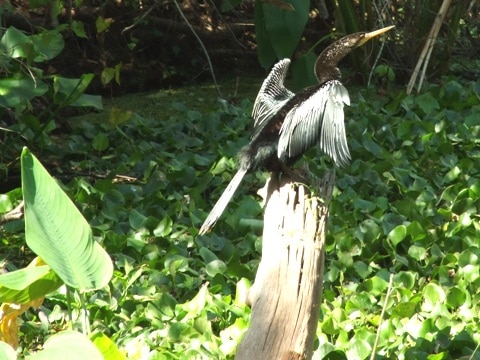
x=287, y=124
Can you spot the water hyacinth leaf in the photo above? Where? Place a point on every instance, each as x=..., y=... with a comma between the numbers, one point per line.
x=456, y=297
x=136, y=219
x=57, y=232
x=427, y=102
x=405, y=309
x=433, y=295
x=417, y=252
x=359, y=349
x=397, y=234
x=100, y=142
x=416, y=231
x=215, y=267
x=164, y=227
x=404, y=279
x=207, y=255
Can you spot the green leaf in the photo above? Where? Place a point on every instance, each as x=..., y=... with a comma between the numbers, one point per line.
x=24, y=285
x=136, y=219
x=48, y=45
x=427, y=102
x=57, y=232
x=70, y=345
x=102, y=24
x=285, y=28
x=433, y=295
x=71, y=92
x=106, y=346
x=279, y=29
x=100, y=142
x=16, y=44
x=78, y=28
x=417, y=252
x=20, y=279
x=164, y=227
x=7, y=352
x=265, y=51
x=359, y=349
x=302, y=70
x=405, y=309
x=5, y=203
x=404, y=279
x=456, y=297
x=87, y=100
x=397, y=234
x=416, y=231
x=19, y=89
x=216, y=267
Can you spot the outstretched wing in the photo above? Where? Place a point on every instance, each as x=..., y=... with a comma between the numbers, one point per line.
x=318, y=119
x=272, y=95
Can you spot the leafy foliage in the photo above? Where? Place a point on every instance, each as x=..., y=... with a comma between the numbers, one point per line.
x=23, y=82
x=405, y=209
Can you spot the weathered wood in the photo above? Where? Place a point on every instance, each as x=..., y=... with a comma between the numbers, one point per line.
x=286, y=294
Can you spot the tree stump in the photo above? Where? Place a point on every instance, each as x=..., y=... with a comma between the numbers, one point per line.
x=285, y=297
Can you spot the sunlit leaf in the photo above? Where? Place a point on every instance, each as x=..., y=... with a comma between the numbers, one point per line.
x=398, y=234
x=57, y=232
x=107, y=347
x=7, y=352
x=28, y=284
x=433, y=295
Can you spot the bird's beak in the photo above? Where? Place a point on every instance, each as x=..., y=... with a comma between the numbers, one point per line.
x=373, y=34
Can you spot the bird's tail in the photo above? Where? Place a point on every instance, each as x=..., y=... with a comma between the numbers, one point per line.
x=222, y=203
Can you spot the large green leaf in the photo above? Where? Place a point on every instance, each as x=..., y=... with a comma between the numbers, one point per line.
x=57, y=232
x=70, y=345
x=279, y=29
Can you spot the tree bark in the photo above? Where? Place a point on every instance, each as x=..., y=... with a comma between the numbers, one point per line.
x=286, y=295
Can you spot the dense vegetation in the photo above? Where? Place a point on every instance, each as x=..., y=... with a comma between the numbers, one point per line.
x=402, y=274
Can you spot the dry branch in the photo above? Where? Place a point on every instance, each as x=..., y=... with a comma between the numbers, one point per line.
x=427, y=49
x=285, y=297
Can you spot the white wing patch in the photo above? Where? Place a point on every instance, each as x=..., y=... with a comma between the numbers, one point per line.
x=273, y=95
x=320, y=118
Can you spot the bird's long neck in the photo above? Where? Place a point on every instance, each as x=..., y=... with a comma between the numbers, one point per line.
x=326, y=65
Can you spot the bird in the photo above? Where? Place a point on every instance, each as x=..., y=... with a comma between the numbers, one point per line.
x=288, y=124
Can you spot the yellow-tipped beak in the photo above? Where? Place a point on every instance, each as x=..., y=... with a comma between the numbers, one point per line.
x=373, y=34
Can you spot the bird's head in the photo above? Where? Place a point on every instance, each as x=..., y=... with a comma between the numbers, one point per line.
x=358, y=39
x=326, y=64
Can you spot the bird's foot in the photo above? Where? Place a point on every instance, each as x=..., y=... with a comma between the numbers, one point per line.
x=300, y=176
